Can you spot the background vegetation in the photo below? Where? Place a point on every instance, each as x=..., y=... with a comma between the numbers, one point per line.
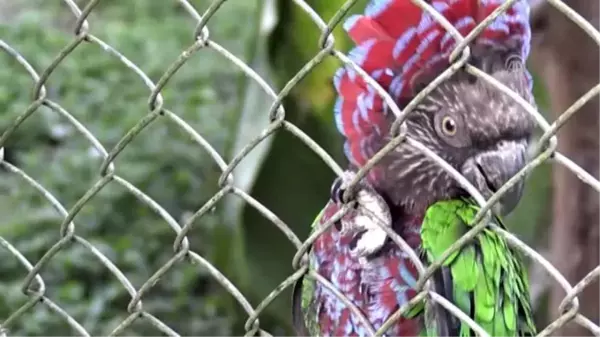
x=219, y=102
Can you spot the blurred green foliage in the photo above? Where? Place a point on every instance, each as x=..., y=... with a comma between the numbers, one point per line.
x=211, y=95
x=109, y=99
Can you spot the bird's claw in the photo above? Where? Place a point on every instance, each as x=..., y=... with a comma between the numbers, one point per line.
x=366, y=220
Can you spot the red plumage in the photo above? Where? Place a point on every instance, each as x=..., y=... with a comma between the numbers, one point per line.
x=377, y=289
x=397, y=42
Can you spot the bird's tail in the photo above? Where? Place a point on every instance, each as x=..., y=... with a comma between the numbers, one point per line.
x=397, y=43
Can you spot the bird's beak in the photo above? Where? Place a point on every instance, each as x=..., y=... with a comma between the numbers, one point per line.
x=491, y=169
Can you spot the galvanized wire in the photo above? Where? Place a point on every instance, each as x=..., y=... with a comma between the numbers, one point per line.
x=34, y=286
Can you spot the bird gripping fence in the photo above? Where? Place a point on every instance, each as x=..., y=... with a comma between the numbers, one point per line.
x=34, y=287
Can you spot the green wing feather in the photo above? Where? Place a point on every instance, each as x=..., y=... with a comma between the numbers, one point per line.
x=488, y=280
x=303, y=311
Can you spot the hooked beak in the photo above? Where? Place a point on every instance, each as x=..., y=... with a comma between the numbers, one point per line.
x=490, y=170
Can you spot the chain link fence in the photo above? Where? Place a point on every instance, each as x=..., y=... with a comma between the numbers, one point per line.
x=34, y=286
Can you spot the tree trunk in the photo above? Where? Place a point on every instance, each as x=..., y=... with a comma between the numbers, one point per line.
x=566, y=59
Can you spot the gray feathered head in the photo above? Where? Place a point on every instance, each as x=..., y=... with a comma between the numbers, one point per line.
x=482, y=132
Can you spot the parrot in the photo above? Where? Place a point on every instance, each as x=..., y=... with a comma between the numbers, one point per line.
x=480, y=131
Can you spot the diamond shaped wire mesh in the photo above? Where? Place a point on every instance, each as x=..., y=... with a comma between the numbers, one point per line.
x=34, y=285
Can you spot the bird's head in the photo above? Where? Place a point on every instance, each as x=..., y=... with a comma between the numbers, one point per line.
x=480, y=131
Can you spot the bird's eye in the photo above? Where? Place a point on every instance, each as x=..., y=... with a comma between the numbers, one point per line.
x=449, y=126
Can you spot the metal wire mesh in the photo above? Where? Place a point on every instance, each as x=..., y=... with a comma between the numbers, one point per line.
x=34, y=287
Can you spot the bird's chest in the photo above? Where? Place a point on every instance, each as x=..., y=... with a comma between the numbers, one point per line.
x=377, y=288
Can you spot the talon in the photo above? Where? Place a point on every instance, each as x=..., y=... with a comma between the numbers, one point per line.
x=337, y=192
x=340, y=185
